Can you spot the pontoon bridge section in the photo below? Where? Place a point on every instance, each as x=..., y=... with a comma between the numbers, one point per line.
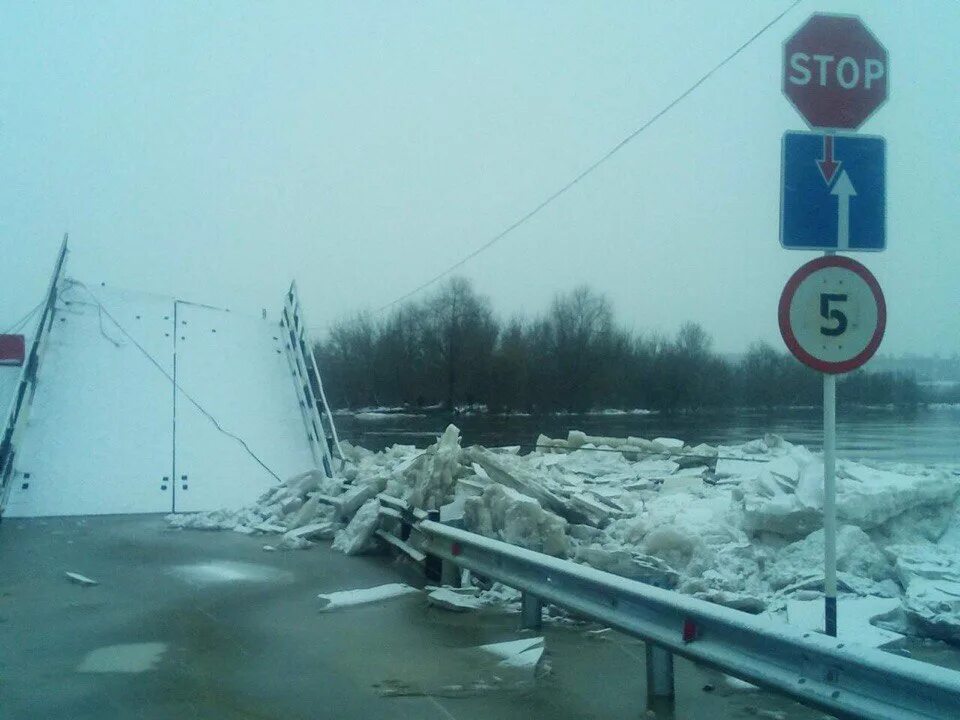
x=127, y=402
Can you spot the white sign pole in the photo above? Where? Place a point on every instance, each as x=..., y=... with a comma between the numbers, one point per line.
x=830, y=502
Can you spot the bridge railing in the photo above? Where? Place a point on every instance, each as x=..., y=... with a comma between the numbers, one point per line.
x=321, y=430
x=19, y=406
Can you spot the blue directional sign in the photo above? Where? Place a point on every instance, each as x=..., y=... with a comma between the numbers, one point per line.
x=834, y=192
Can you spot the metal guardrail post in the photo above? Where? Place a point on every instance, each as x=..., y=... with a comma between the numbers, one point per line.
x=449, y=574
x=659, y=663
x=433, y=565
x=531, y=612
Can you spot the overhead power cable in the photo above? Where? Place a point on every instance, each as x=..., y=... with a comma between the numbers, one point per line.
x=593, y=166
x=22, y=321
x=169, y=377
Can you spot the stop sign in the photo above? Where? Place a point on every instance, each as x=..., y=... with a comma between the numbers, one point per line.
x=834, y=72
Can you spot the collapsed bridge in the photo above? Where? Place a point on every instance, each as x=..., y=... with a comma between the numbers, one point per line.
x=127, y=402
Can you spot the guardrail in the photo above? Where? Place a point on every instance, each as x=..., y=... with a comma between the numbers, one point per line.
x=845, y=680
x=23, y=395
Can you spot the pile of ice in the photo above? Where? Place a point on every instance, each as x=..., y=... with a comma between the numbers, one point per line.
x=736, y=525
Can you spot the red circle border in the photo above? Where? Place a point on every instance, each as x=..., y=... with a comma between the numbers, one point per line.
x=783, y=314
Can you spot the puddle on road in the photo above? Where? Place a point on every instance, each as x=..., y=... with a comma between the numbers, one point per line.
x=512, y=666
x=228, y=571
x=131, y=658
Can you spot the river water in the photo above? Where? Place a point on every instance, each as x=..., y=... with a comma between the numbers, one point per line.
x=926, y=435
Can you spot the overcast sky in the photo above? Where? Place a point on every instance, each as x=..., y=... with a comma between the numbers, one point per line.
x=216, y=150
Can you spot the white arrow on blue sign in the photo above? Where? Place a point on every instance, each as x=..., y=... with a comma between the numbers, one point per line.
x=833, y=192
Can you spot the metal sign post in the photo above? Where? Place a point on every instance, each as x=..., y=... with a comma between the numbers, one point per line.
x=833, y=197
x=830, y=504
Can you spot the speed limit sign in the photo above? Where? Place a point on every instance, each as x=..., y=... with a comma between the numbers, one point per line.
x=832, y=314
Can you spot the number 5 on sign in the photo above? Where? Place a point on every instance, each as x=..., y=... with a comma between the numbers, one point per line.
x=841, y=326
x=832, y=314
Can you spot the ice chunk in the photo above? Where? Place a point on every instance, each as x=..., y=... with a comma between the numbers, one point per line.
x=300, y=485
x=451, y=600
x=672, y=543
x=352, y=598
x=79, y=579
x=592, y=462
x=682, y=484
x=507, y=515
x=870, y=497
x=632, y=565
x=267, y=527
x=524, y=653
x=669, y=443
x=597, y=513
x=293, y=543
x=324, y=530
x=743, y=602
x=782, y=515
x=357, y=536
x=353, y=497
x=499, y=594
x=704, y=451
x=930, y=577
x=435, y=473
x=856, y=554
x=305, y=514
x=731, y=467
x=655, y=469
x=291, y=505
x=521, y=480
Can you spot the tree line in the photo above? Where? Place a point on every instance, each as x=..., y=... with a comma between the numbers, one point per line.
x=450, y=349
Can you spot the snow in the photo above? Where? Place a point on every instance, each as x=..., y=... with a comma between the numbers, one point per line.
x=854, y=616
x=79, y=579
x=738, y=525
x=450, y=599
x=518, y=654
x=351, y=598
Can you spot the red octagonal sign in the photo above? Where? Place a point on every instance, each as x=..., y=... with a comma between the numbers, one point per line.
x=835, y=72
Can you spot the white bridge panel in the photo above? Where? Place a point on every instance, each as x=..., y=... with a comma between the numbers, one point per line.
x=234, y=367
x=99, y=434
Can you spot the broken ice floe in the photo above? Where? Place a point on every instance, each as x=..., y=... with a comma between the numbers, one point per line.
x=524, y=653
x=351, y=598
x=738, y=525
x=455, y=599
x=79, y=579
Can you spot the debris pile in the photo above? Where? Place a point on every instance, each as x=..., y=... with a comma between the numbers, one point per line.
x=737, y=525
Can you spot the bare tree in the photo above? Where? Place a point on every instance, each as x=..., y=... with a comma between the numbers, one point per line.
x=461, y=332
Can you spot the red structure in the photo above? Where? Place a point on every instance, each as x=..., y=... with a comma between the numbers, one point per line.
x=12, y=349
